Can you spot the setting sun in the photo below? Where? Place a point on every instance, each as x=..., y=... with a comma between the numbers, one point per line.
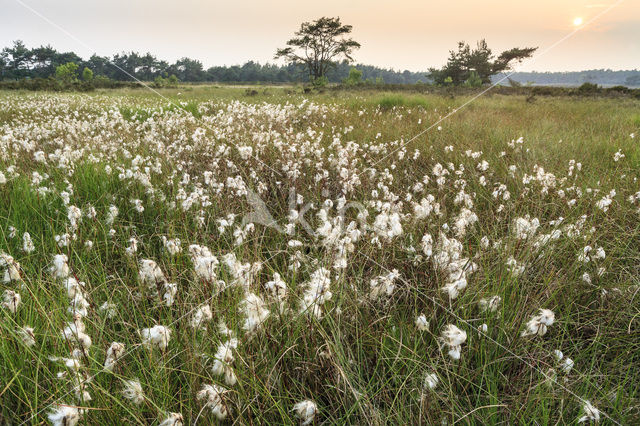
x=577, y=21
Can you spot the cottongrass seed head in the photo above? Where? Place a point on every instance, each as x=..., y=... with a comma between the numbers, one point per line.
x=305, y=411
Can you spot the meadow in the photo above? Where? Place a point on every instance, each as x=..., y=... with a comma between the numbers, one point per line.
x=278, y=257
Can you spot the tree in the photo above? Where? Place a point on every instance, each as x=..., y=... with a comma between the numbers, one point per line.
x=355, y=77
x=87, y=74
x=474, y=80
x=467, y=65
x=318, y=45
x=187, y=70
x=67, y=73
x=17, y=59
x=633, y=80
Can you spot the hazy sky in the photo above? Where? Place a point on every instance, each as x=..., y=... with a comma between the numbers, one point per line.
x=400, y=34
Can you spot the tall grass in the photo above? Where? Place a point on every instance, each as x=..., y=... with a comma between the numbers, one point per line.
x=363, y=362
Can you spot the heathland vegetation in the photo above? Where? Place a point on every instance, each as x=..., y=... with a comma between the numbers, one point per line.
x=278, y=258
x=316, y=254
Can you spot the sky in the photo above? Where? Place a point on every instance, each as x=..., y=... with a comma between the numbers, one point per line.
x=399, y=34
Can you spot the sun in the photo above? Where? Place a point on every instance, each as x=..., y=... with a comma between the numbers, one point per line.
x=577, y=21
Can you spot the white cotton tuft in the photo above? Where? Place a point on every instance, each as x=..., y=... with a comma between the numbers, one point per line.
x=431, y=381
x=64, y=415
x=421, y=323
x=591, y=413
x=11, y=300
x=114, y=353
x=133, y=391
x=212, y=395
x=201, y=315
x=172, y=419
x=158, y=336
x=305, y=411
x=453, y=337
x=538, y=323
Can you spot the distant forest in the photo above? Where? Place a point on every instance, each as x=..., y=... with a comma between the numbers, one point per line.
x=20, y=62
x=630, y=78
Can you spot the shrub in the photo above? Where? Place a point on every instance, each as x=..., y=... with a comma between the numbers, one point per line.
x=474, y=80
x=355, y=77
x=87, y=74
x=588, y=88
x=67, y=73
x=320, y=82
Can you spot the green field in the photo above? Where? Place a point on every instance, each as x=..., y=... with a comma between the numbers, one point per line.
x=404, y=205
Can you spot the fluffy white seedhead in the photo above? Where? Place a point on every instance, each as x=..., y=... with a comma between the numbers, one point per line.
x=491, y=304
x=27, y=243
x=255, y=311
x=317, y=293
x=27, y=336
x=305, y=411
x=205, y=264
x=133, y=391
x=383, y=285
x=73, y=286
x=11, y=300
x=74, y=214
x=277, y=288
x=430, y=381
x=170, y=291
x=202, y=315
x=525, y=227
x=173, y=419
x=64, y=415
x=243, y=274
x=591, y=413
x=223, y=360
x=453, y=337
x=427, y=245
x=133, y=247
x=75, y=335
x=447, y=258
x=157, y=336
x=567, y=365
x=78, y=305
x=150, y=273
x=59, y=268
x=109, y=309
x=112, y=214
x=114, y=353
x=212, y=395
x=426, y=206
x=538, y=323
x=421, y=322
x=387, y=225
x=173, y=247
x=12, y=271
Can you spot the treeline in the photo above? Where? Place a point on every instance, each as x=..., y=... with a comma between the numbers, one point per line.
x=604, y=77
x=19, y=62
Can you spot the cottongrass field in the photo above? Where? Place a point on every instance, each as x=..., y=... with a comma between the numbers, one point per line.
x=302, y=259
